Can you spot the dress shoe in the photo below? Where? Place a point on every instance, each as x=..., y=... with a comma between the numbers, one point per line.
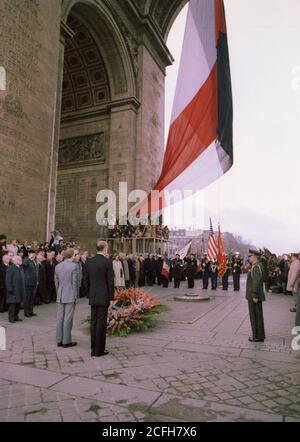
x=255, y=340
x=18, y=320
x=102, y=354
x=71, y=344
x=12, y=322
x=27, y=315
x=293, y=310
x=59, y=344
x=33, y=314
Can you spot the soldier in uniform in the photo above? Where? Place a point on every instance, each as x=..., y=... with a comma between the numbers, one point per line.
x=177, y=268
x=205, y=267
x=214, y=274
x=190, y=269
x=236, y=271
x=226, y=274
x=255, y=296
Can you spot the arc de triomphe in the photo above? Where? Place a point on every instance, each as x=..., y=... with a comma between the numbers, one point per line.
x=83, y=108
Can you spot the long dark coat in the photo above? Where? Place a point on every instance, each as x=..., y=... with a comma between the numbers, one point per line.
x=15, y=285
x=100, y=281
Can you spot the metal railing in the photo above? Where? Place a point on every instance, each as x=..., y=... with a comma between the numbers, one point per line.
x=141, y=245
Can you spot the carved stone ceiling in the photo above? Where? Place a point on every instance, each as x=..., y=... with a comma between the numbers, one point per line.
x=85, y=82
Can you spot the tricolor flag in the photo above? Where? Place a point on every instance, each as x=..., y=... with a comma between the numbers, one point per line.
x=212, y=246
x=199, y=148
x=221, y=255
x=166, y=267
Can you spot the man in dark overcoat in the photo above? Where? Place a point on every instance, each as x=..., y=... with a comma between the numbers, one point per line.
x=3, y=269
x=15, y=286
x=100, y=283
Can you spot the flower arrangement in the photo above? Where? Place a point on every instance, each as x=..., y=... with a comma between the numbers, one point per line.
x=132, y=310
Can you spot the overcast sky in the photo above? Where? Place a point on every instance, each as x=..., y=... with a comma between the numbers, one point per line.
x=259, y=198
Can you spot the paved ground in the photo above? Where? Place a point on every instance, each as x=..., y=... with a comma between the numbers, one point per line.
x=196, y=365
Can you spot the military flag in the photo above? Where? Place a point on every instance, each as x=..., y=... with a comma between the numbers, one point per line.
x=221, y=255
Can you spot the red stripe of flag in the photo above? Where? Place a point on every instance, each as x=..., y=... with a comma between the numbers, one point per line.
x=221, y=255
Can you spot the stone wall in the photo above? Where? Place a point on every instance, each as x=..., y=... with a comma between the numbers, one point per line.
x=44, y=186
x=82, y=173
x=29, y=47
x=150, y=135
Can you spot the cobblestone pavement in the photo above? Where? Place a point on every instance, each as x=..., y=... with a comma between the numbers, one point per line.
x=195, y=365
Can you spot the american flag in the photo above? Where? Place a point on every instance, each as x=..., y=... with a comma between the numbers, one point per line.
x=212, y=246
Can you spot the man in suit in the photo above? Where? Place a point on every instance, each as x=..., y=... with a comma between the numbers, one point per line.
x=41, y=295
x=30, y=267
x=50, y=283
x=67, y=285
x=83, y=288
x=255, y=296
x=3, y=269
x=100, y=283
x=15, y=287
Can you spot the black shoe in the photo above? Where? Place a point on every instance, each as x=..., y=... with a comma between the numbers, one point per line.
x=101, y=354
x=255, y=340
x=293, y=310
x=18, y=320
x=104, y=353
x=71, y=344
x=33, y=314
x=59, y=344
x=12, y=322
x=27, y=315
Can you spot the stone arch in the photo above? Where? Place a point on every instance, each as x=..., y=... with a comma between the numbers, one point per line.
x=108, y=36
x=96, y=116
x=165, y=13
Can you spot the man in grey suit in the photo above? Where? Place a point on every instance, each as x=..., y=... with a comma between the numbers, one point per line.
x=67, y=288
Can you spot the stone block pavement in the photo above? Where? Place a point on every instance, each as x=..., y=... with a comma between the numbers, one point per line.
x=195, y=365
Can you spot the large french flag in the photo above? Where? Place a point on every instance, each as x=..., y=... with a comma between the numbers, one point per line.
x=199, y=148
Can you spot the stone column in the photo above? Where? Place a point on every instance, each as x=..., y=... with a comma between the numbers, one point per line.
x=150, y=133
x=66, y=32
x=29, y=51
x=122, y=152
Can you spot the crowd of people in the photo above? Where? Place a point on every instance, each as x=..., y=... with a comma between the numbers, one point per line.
x=128, y=230
x=29, y=272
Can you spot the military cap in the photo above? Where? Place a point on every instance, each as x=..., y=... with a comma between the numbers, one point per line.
x=254, y=252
